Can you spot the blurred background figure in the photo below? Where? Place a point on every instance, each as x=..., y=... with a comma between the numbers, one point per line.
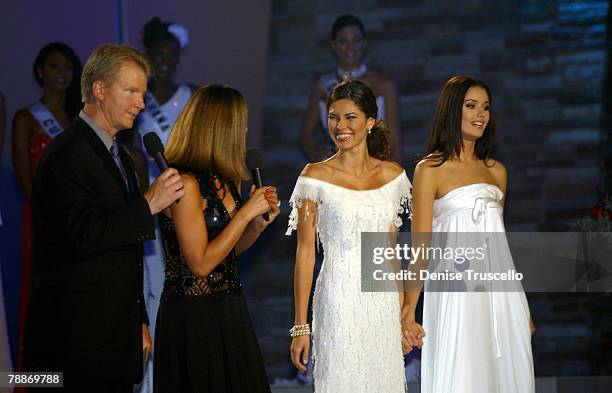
x=164, y=101
x=57, y=70
x=349, y=43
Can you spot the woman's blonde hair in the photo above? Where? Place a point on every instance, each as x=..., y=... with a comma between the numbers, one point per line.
x=210, y=133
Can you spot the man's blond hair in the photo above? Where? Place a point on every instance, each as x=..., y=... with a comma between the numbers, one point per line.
x=104, y=63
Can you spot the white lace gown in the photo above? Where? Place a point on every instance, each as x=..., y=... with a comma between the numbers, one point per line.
x=476, y=342
x=356, y=335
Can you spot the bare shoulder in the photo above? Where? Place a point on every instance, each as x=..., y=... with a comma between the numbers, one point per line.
x=23, y=116
x=190, y=183
x=317, y=170
x=497, y=167
x=429, y=169
x=391, y=169
x=192, y=201
x=24, y=124
x=430, y=164
x=498, y=171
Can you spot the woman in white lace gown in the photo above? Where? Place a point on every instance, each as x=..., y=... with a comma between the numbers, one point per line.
x=356, y=335
x=475, y=342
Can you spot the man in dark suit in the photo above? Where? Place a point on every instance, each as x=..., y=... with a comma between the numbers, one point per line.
x=87, y=317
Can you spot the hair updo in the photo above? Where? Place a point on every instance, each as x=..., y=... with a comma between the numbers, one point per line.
x=156, y=31
x=363, y=97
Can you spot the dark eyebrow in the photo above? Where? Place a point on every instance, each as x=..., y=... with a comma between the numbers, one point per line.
x=471, y=99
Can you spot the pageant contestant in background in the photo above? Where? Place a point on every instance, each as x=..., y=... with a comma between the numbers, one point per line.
x=164, y=101
x=205, y=341
x=348, y=41
x=357, y=335
x=476, y=342
x=57, y=70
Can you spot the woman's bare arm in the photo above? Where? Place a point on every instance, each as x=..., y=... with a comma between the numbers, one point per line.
x=201, y=255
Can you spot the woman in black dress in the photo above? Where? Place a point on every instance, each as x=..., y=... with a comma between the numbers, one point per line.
x=204, y=338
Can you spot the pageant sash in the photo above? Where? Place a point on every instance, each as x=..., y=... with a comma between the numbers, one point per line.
x=45, y=119
x=156, y=112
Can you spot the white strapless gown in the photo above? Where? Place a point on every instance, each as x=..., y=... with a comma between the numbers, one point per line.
x=356, y=335
x=476, y=342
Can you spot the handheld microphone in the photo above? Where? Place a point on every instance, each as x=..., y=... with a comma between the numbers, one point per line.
x=155, y=149
x=254, y=161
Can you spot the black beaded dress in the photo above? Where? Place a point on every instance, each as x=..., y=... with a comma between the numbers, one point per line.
x=204, y=338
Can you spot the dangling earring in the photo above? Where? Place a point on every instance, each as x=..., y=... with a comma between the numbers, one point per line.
x=369, y=131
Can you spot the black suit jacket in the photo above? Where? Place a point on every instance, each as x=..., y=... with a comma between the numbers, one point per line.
x=87, y=305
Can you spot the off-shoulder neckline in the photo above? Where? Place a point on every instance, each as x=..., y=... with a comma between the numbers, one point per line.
x=399, y=176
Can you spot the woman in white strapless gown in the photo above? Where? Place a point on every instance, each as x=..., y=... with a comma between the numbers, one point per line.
x=357, y=335
x=475, y=342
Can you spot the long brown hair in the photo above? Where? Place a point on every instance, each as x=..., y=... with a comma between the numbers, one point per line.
x=209, y=134
x=363, y=97
x=446, y=135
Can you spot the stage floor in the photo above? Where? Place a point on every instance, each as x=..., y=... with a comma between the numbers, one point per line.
x=543, y=385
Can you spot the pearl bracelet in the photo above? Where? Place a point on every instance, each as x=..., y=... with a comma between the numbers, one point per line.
x=300, y=330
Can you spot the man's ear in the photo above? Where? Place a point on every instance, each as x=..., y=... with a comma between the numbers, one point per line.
x=98, y=89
